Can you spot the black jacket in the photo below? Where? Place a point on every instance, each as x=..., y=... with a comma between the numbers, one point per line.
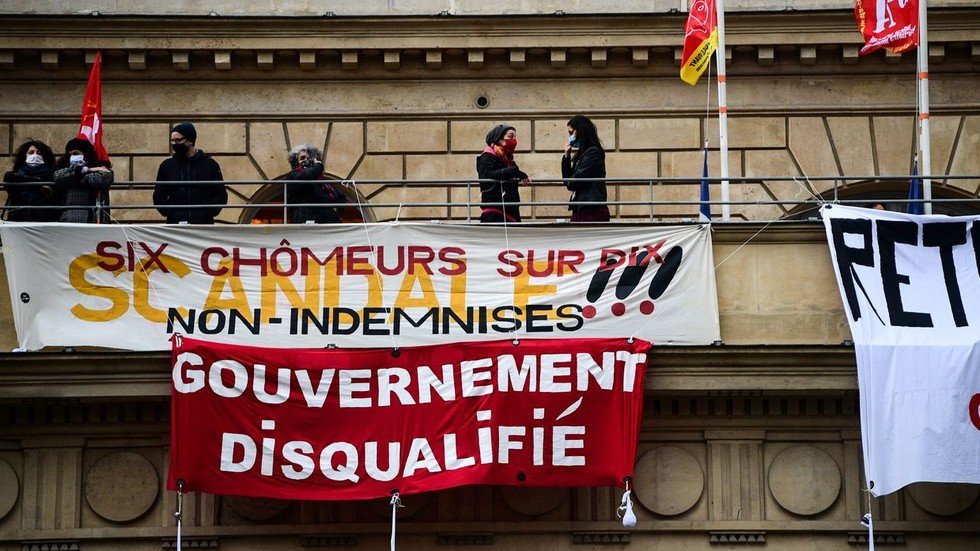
x=505, y=189
x=308, y=186
x=24, y=190
x=590, y=163
x=200, y=167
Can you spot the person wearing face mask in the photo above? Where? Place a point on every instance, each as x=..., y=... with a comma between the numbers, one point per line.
x=585, y=158
x=82, y=182
x=500, y=198
x=33, y=164
x=307, y=185
x=205, y=184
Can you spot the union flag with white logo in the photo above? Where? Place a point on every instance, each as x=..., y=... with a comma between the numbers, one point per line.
x=91, y=126
x=889, y=24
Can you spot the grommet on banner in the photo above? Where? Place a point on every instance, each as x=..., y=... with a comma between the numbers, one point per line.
x=396, y=503
x=630, y=340
x=179, y=514
x=395, y=353
x=176, y=340
x=516, y=342
x=625, y=510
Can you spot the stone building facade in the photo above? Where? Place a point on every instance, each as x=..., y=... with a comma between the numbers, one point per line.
x=755, y=441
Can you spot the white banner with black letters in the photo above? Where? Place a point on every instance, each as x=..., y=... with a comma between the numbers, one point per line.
x=131, y=287
x=911, y=292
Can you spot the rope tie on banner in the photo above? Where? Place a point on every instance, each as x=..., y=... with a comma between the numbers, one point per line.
x=367, y=235
x=396, y=503
x=179, y=514
x=625, y=510
x=867, y=520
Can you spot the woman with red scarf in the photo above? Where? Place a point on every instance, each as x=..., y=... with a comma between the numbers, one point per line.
x=500, y=198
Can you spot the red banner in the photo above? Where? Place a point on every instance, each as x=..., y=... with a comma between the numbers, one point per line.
x=91, y=127
x=889, y=24
x=331, y=424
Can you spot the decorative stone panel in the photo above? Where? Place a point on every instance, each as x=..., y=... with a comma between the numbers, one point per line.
x=121, y=486
x=669, y=480
x=804, y=480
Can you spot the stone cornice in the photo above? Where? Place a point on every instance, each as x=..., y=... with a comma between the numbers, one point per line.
x=714, y=370
x=434, y=43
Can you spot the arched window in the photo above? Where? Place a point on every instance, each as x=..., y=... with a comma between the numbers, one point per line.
x=355, y=211
x=891, y=195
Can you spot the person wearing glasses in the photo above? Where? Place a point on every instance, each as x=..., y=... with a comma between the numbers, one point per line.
x=204, y=185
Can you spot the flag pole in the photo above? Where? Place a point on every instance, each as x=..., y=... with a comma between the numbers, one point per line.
x=722, y=111
x=922, y=58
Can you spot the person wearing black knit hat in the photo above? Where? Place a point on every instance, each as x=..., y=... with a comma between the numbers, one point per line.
x=82, y=182
x=500, y=197
x=189, y=164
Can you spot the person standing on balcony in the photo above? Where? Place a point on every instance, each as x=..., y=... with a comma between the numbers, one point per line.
x=205, y=184
x=585, y=158
x=501, y=198
x=82, y=182
x=307, y=185
x=33, y=164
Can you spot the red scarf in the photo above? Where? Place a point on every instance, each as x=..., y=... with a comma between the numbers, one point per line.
x=499, y=152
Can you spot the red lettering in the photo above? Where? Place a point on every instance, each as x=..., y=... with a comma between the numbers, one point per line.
x=568, y=260
x=654, y=252
x=610, y=259
x=237, y=261
x=504, y=258
x=418, y=254
x=975, y=410
x=205, y=265
x=358, y=265
x=104, y=249
x=452, y=255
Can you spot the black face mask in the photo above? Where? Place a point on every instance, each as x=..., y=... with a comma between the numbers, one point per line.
x=180, y=149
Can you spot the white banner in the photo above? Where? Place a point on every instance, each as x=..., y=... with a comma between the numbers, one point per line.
x=911, y=292
x=131, y=287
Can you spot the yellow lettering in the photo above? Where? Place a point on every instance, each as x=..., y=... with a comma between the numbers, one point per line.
x=273, y=284
x=238, y=299
x=524, y=289
x=142, y=287
x=118, y=298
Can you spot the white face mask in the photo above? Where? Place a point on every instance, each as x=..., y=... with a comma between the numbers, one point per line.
x=34, y=159
x=77, y=160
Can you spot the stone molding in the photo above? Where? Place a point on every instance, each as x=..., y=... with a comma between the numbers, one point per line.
x=430, y=46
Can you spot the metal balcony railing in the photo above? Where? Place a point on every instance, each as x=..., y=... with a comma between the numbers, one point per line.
x=641, y=200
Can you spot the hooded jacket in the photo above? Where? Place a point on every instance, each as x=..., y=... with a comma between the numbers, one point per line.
x=168, y=198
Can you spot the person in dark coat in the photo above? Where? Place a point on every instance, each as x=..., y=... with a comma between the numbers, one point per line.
x=307, y=184
x=189, y=164
x=33, y=164
x=500, y=199
x=587, y=161
x=82, y=182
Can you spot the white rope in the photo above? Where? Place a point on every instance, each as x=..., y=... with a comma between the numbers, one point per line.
x=179, y=514
x=377, y=276
x=698, y=281
x=868, y=519
x=396, y=503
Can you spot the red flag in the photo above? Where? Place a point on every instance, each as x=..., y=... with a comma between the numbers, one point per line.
x=700, y=40
x=893, y=25
x=91, y=127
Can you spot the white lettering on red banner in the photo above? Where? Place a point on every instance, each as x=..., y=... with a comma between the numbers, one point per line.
x=334, y=424
x=131, y=287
